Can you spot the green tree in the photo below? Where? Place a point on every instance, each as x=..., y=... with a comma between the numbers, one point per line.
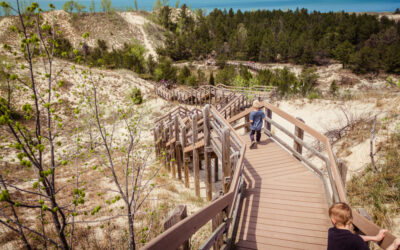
x=79, y=7
x=183, y=74
x=191, y=81
x=69, y=6
x=92, y=7
x=35, y=145
x=165, y=70
x=226, y=75
x=365, y=60
x=201, y=76
x=6, y=9
x=151, y=64
x=106, y=5
x=136, y=5
x=308, y=80
x=333, y=88
x=343, y=52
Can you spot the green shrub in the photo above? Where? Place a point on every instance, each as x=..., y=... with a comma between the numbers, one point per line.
x=164, y=70
x=226, y=75
x=333, y=88
x=191, y=81
x=313, y=95
x=136, y=96
x=184, y=73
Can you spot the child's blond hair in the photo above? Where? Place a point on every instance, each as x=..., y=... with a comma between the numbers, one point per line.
x=341, y=213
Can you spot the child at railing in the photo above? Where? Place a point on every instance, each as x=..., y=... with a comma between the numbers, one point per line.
x=256, y=120
x=341, y=238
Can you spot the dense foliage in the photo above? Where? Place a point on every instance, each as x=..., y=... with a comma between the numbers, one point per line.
x=361, y=42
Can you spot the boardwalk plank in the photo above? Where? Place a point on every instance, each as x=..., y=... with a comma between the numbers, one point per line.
x=284, y=206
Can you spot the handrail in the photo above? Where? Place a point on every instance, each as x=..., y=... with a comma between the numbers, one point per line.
x=176, y=235
x=364, y=225
x=206, y=91
x=231, y=201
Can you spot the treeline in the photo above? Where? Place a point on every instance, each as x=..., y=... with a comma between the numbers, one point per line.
x=362, y=43
x=132, y=57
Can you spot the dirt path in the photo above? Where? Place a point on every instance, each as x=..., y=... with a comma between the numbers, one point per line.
x=137, y=22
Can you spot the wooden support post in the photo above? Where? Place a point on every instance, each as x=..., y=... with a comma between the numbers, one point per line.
x=178, y=150
x=185, y=158
x=175, y=216
x=216, y=168
x=167, y=151
x=226, y=162
x=163, y=148
x=207, y=150
x=269, y=115
x=196, y=160
x=247, y=120
x=342, y=170
x=300, y=134
x=215, y=223
x=201, y=158
x=172, y=152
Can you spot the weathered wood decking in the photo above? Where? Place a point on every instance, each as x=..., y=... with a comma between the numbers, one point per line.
x=284, y=206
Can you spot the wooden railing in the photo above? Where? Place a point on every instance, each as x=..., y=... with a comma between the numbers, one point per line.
x=330, y=175
x=206, y=93
x=212, y=134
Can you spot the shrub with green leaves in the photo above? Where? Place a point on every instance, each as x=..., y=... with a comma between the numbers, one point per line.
x=136, y=96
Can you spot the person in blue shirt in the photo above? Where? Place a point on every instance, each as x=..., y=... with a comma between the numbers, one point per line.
x=256, y=119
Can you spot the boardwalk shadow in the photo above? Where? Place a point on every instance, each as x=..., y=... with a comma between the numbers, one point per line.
x=250, y=205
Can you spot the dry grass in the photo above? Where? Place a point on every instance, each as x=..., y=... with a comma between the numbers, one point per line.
x=379, y=192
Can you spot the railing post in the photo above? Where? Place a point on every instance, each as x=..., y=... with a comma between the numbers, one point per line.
x=163, y=147
x=247, y=120
x=342, y=170
x=207, y=150
x=216, y=168
x=178, y=149
x=185, y=157
x=269, y=115
x=226, y=164
x=172, y=160
x=196, y=160
x=300, y=134
x=178, y=214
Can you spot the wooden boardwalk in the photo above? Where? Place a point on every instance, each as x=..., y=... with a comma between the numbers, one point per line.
x=284, y=206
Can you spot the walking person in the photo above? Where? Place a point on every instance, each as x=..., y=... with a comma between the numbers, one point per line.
x=256, y=120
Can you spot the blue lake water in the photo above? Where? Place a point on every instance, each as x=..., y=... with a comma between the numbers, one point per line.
x=209, y=5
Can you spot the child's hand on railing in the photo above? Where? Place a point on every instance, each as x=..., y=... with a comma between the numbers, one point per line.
x=395, y=245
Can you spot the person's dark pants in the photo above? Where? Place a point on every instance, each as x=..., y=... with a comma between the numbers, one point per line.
x=258, y=135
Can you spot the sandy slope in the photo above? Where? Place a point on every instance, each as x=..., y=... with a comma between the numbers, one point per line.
x=137, y=22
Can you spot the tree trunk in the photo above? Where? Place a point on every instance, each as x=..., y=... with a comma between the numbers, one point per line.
x=131, y=231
